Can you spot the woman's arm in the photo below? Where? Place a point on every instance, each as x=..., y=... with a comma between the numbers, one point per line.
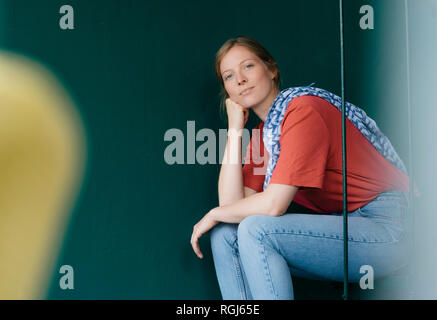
x=273, y=201
x=230, y=183
x=249, y=192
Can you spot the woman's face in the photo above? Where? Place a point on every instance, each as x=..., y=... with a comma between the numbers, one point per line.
x=246, y=78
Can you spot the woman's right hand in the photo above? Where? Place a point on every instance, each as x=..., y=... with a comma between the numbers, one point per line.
x=237, y=115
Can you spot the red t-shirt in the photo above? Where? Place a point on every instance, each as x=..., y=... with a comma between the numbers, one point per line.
x=311, y=158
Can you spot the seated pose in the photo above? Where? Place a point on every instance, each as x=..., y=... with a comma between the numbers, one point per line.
x=295, y=155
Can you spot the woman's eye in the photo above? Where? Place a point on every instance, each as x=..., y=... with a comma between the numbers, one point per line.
x=249, y=65
x=228, y=76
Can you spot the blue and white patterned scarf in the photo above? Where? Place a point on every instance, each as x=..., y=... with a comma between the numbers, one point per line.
x=366, y=125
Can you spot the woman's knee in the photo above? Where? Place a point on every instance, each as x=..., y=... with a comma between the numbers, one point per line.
x=224, y=233
x=253, y=227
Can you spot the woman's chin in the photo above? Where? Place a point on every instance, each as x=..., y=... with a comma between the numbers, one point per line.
x=248, y=103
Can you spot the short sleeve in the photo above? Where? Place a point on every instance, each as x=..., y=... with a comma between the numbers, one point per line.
x=304, y=145
x=255, y=162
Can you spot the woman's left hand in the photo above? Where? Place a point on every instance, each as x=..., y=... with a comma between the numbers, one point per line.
x=200, y=228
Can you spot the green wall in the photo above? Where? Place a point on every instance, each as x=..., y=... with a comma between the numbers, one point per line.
x=138, y=68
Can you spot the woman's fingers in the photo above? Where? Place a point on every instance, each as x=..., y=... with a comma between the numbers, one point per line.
x=202, y=227
x=195, y=243
x=237, y=114
x=231, y=104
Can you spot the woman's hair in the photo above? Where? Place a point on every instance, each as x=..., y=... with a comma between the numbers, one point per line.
x=256, y=48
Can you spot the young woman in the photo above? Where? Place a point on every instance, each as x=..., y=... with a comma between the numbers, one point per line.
x=257, y=246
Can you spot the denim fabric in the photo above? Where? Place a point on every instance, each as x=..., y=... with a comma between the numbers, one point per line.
x=257, y=258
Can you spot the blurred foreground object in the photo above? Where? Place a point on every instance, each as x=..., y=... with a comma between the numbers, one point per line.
x=42, y=157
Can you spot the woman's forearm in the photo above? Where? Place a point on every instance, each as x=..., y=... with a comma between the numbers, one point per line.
x=258, y=203
x=273, y=201
x=230, y=184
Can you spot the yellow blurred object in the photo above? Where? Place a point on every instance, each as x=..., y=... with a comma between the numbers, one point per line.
x=42, y=157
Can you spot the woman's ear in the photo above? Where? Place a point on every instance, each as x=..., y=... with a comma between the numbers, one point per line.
x=274, y=73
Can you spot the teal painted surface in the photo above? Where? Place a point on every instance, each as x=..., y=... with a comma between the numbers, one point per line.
x=138, y=68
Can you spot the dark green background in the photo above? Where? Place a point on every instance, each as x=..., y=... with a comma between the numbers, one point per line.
x=138, y=68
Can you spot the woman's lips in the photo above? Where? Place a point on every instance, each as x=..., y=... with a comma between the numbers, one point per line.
x=246, y=91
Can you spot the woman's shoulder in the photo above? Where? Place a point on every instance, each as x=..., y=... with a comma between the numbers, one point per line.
x=308, y=105
x=307, y=100
x=308, y=110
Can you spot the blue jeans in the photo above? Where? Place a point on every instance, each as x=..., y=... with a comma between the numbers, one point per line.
x=257, y=258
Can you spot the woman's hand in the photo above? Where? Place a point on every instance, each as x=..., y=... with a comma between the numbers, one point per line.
x=200, y=228
x=237, y=115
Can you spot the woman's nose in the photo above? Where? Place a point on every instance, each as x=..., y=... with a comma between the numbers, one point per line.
x=241, y=79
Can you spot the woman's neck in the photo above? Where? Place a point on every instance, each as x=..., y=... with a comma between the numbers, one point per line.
x=262, y=109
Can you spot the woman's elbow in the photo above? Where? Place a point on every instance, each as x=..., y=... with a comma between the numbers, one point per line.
x=279, y=197
x=276, y=212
